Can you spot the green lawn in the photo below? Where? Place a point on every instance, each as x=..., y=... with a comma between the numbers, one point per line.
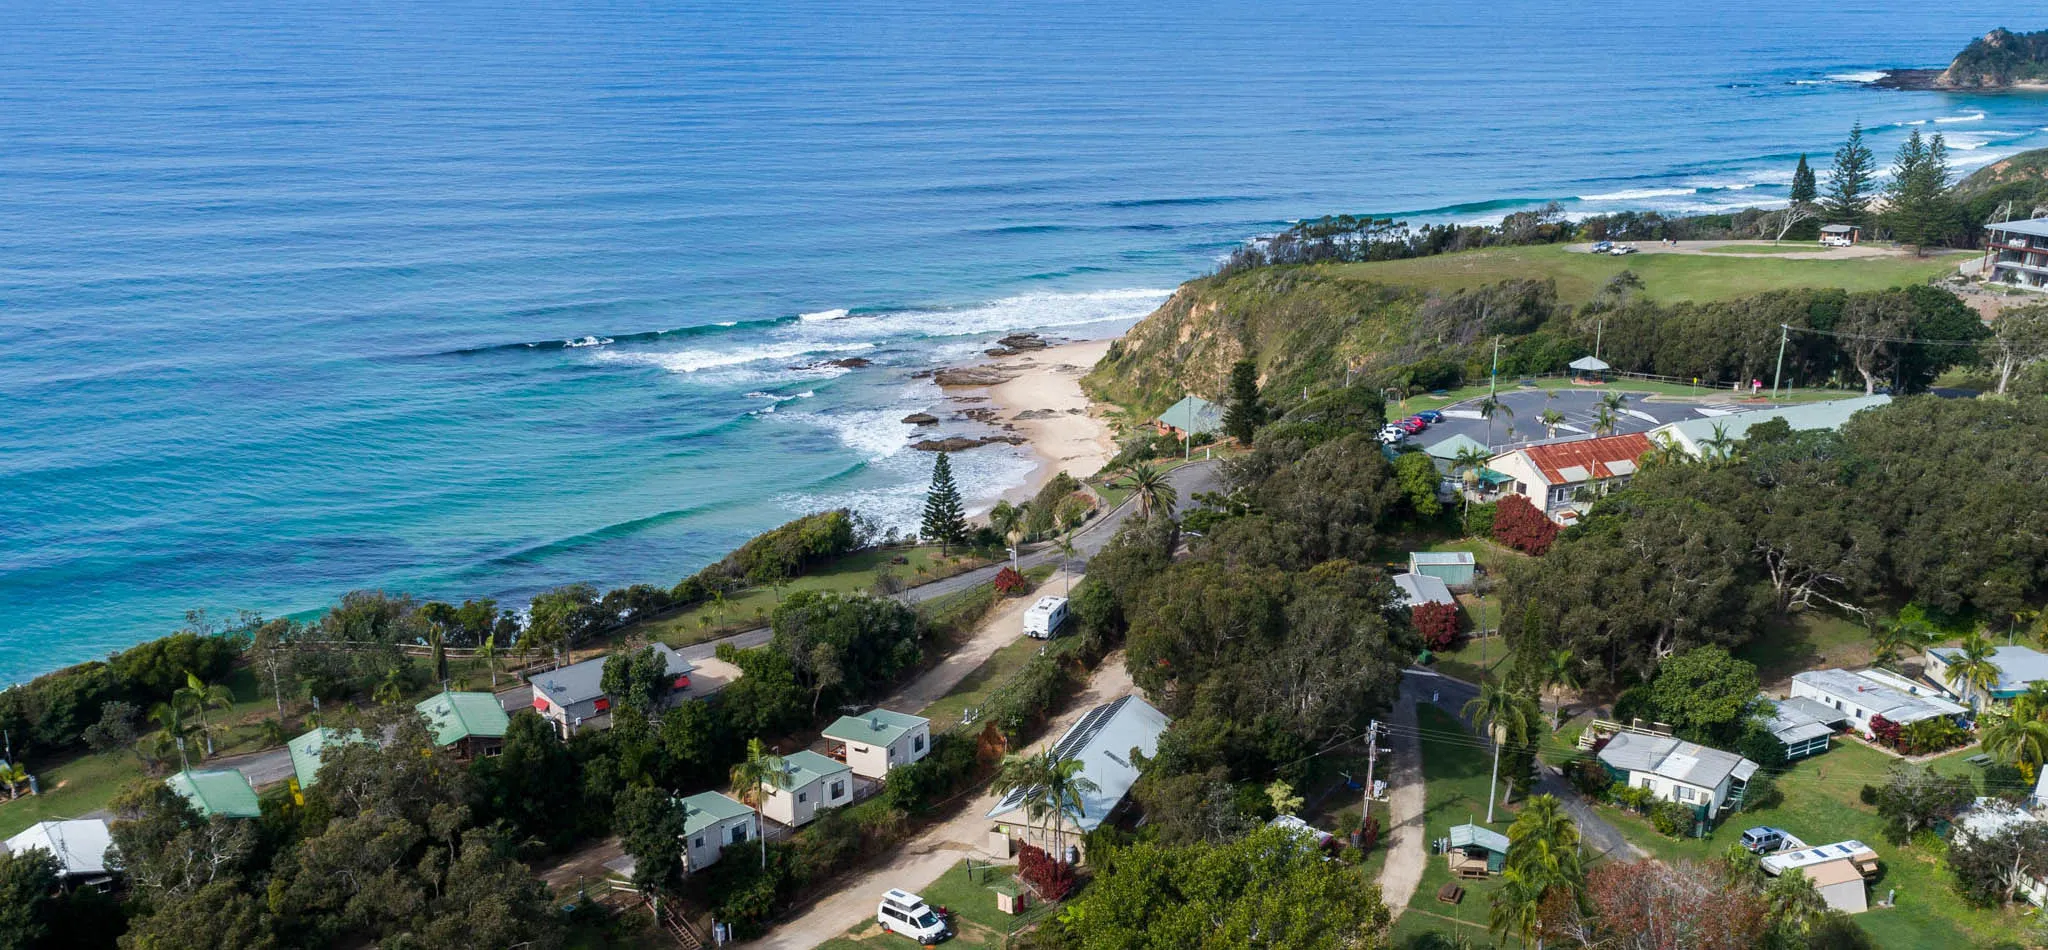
x=1476, y=660
x=1808, y=640
x=1800, y=247
x=979, y=685
x=1666, y=277
x=1821, y=806
x=1455, y=766
x=976, y=921
x=750, y=608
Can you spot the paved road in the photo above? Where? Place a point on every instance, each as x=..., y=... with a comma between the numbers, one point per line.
x=1600, y=837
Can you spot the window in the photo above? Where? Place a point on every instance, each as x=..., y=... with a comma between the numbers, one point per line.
x=1685, y=794
x=739, y=833
x=1644, y=782
x=698, y=843
x=838, y=790
x=917, y=744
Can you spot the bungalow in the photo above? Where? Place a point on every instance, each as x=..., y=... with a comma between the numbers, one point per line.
x=1191, y=416
x=79, y=845
x=1454, y=568
x=878, y=740
x=2018, y=668
x=811, y=781
x=1863, y=698
x=223, y=792
x=1473, y=851
x=1692, y=435
x=307, y=750
x=1103, y=741
x=1446, y=453
x=1551, y=476
x=1990, y=816
x=573, y=697
x=1805, y=726
x=469, y=724
x=1710, y=780
x=710, y=822
x=1423, y=589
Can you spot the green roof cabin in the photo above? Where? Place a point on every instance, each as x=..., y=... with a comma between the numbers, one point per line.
x=878, y=740
x=1474, y=851
x=223, y=792
x=306, y=751
x=811, y=783
x=1454, y=568
x=1193, y=415
x=710, y=822
x=471, y=724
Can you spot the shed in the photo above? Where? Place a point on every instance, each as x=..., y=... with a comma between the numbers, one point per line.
x=878, y=740
x=223, y=792
x=307, y=750
x=1840, y=884
x=1840, y=233
x=79, y=845
x=470, y=723
x=1454, y=568
x=1589, y=369
x=1423, y=589
x=1193, y=415
x=1804, y=726
x=1475, y=851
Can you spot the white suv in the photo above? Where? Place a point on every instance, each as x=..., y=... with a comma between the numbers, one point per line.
x=905, y=913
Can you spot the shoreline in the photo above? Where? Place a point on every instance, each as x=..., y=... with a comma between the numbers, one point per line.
x=1035, y=397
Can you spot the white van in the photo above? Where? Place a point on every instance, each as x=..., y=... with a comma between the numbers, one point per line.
x=1046, y=617
x=905, y=913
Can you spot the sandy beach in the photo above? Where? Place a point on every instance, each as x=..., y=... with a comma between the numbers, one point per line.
x=1046, y=405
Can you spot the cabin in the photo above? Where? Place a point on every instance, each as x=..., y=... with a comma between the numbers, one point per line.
x=711, y=822
x=223, y=792
x=1864, y=698
x=467, y=724
x=878, y=740
x=2018, y=669
x=1554, y=476
x=1840, y=235
x=1454, y=568
x=1473, y=851
x=80, y=847
x=1189, y=417
x=1805, y=727
x=573, y=698
x=809, y=782
x=1709, y=780
x=1103, y=739
x=307, y=750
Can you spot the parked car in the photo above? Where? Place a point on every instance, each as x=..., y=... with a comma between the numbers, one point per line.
x=1430, y=416
x=1621, y=249
x=1412, y=426
x=1764, y=839
x=1391, y=434
x=905, y=913
x=1602, y=247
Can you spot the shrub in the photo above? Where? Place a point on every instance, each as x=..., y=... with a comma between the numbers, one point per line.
x=1052, y=879
x=915, y=788
x=1670, y=818
x=1763, y=792
x=1885, y=730
x=1631, y=797
x=1479, y=522
x=1437, y=623
x=1519, y=525
x=1590, y=778
x=1868, y=795
x=1009, y=583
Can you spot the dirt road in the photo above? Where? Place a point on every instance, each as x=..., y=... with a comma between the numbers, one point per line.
x=1407, y=855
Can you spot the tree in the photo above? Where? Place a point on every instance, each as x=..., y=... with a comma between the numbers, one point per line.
x=115, y=730
x=1243, y=416
x=638, y=681
x=559, y=618
x=2020, y=741
x=650, y=825
x=1990, y=868
x=2019, y=339
x=1804, y=191
x=1506, y=721
x=1914, y=797
x=270, y=648
x=1869, y=328
x=221, y=914
x=1492, y=406
x=1521, y=525
x=1551, y=419
x=172, y=718
x=945, y=519
x=203, y=696
x=1560, y=671
x=28, y=896
x=1048, y=786
x=1706, y=694
x=533, y=784
x=1004, y=517
x=1849, y=181
x=760, y=767
x=1468, y=463
x=1918, y=207
x=1153, y=489
x=1974, y=667
x=1416, y=472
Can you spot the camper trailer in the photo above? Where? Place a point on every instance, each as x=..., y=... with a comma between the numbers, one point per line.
x=1046, y=617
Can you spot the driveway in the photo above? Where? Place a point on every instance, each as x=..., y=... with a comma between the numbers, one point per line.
x=1641, y=413
x=1407, y=855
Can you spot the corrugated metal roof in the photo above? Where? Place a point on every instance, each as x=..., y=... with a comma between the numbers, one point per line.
x=1423, y=589
x=805, y=767
x=223, y=792
x=79, y=845
x=2036, y=227
x=307, y=750
x=1102, y=740
x=1465, y=836
x=2017, y=665
x=1194, y=414
x=1459, y=558
x=1674, y=759
x=577, y=682
x=456, y=716
x=1735, y=425
x=704, y=809
x=1876, y=698
x=1587, y=458
x=879, y=726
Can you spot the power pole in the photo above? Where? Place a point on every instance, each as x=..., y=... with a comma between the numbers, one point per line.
x=1493, y=386
x=1784, y=334
x=1599, y=330
x=1372, y=760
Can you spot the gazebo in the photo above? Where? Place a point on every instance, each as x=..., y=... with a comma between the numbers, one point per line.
x=1473, y=851
x=1589, y=370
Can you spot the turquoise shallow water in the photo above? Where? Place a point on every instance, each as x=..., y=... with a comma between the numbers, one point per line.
x=284, y=292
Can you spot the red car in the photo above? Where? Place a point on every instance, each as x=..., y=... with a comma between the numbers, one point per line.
x=1412, y=425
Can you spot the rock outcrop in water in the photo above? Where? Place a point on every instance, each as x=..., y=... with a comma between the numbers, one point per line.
x=2000, y=59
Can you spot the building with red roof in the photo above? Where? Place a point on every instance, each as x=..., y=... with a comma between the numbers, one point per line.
x=1550, y=476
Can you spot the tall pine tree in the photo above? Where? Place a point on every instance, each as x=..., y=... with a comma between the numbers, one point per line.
x=1805, y=194
x=1848, y=198
x=945, y=519
x=1918, y=207
x=1244, y=415
x=1804, y=190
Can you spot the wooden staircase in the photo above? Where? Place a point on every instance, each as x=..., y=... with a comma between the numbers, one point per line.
x=685, y=935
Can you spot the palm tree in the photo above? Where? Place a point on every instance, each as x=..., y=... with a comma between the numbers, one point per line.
x=1470, y=461
x=1492, y=406
x=13, y=773
x=171, y=716
x=1893, y=637
x=1974, y=668
x=487, y=651
x=1718, y=447
x=1560, y=671
x=2022, y=742
x=1065, y=545
x=1152, y=489
x=1049, y=786
x=204, y=696
x=1551, y=419
x=1517, y=907
x=1505, y=720
x=1543, y=857
x=761, y=767
x=1607, y=413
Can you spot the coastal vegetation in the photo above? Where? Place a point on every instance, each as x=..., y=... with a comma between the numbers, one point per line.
x=1997, y=60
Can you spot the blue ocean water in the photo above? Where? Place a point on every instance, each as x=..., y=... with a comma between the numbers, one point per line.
x=284, y=287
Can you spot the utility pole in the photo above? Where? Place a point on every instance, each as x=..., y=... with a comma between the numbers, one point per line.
x=1784, y=334
x=1493, y=386
x=1372, y=760
x=1599, y=330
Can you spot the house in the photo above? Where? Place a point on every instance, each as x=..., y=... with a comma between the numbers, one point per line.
x=223, y=792
x=1473, y=851
x=2018, y=668
x=306, y=751
x=1454, y=568
x=2039, y=799
x=1589, y=370
x=1990, y=816
x=1710, y=780
x=1102, y=740
x=1423, y=589
x=1840, y=235
x=573, y=697
x=811, y=781
x=712, y=821
x=1301, y=829
x=1693, y=435
x=1863, y=698
x=1551, y=476
x=469, y=724
x=2016, y=253
x=1445, y=455
x=1191, y=416
x=878, y=740
x=1805, y=726
x=79, y=845
x=1839, y=884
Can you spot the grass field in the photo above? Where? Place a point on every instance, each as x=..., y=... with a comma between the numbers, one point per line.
x=1666, y=277
x=976, y=921
x=1821, y=806
x=1797, y=248
x=750, y=608
x=1808, y=640
x=1455, y=764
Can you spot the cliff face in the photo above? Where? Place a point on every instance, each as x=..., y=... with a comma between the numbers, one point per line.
x=1999, y=59
x=2027, y=167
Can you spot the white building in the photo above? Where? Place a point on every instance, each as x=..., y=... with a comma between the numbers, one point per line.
x=711, y=823
x=2016, y=253
x=1553, y=476
x=1423, y=589
x=1710, y=780
x=811, y=782
x=2018, y=668
x=878, y=740
x=1805, y=726
x=1861, y=698
x=1692, y=434
x=1103, y=740
x=80, y=847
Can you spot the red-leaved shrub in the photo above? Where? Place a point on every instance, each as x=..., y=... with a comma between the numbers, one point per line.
x=1885, y=730
x=1519, y=525
x=1438, y=624
x=1050, y=878
x=1009, y=583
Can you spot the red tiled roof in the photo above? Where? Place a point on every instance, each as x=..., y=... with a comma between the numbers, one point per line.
x=1593, y=455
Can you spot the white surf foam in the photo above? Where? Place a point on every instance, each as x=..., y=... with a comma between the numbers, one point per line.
x=1638, y=194
x=1870, y=75
x=1972, y=117
x=692, y=361
x=822, y=315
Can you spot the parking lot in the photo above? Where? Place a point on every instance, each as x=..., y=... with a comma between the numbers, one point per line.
x=1579, y=406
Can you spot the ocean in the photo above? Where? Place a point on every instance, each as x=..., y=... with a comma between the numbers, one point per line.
x=466, y=300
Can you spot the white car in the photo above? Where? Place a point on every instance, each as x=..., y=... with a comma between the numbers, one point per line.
x=1392, y=435
x=905, y=913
